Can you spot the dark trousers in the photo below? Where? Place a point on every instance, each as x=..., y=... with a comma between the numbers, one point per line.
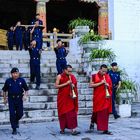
x=60, y=64
x=19, y=43
x=26, y=44
x=10, y=44
x=35, y=71
x=114, y=112
x=16, y=110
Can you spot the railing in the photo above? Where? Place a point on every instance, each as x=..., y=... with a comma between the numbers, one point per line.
x=51, y=38
x=3, y=39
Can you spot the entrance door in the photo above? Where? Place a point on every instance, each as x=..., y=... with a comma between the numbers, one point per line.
x=59, y=13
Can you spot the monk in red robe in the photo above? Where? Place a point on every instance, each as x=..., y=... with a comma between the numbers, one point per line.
x=102, y=105
x=67, y=100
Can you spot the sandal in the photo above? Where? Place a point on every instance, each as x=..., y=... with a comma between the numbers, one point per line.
x=91, y=127
x=62, y=132
x=74, y=133
x=107, y=132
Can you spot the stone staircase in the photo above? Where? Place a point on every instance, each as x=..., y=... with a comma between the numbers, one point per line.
x=41, y=105
x=136, y=110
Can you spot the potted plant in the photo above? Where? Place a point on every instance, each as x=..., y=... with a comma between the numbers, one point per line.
x=89, y=38
x=98, y=55
x=125, y=96
x=81, y=26
x=90, y=41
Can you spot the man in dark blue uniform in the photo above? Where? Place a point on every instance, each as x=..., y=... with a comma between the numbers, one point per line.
x=37, y=34
x=26, y=38
x=17, y=92
x=35, y=52
x=10, y=38
x=116, y=84
x=38, y=30
x=18, y=35
x=61, y=54
x=37, y=19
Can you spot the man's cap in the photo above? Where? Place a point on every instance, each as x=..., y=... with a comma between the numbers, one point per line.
x=114, y=64
x=14, y=70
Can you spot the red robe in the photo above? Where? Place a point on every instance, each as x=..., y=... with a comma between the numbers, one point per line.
x=100, y=102
x=102, y=106
x=64, y=101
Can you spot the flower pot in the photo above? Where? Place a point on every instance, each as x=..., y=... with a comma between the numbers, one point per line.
x=126, y=97
x=100, y=61
x=89, y=46
x=81, y=30
x=125, y=110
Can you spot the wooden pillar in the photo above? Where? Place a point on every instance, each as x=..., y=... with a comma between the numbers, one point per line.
x=41, y=9
x=103, y=18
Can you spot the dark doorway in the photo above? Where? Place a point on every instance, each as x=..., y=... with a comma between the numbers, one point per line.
x=12, y=11
x=59, y=13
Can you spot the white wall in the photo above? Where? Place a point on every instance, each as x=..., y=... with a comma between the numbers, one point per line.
x=124, y=19
x=128, y=56
x=111, y=16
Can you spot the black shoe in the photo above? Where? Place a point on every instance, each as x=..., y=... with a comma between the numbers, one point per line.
x=37, y=88
x=74, y=133
x=107, y=132
x=91, y=127
x=116, y=116
x=30, y=86
x=62, y=132
x=17, y=124
x=14, y=132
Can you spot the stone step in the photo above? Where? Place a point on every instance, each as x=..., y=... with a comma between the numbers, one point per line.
x=38, y=120
x=44, y=71
x=49, y=79
x=37, y=103
x=30, y=120
x=136, y=110
x=23, y=64
x=40, y=97
x=42, y=113
x=51, y=94
x=25, y=55
x=52, y=86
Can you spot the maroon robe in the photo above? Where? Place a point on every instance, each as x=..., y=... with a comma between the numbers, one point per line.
x=102, y=106
x=67, y=107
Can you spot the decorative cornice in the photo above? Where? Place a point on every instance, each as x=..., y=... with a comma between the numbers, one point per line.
x=90, y=1
x=42, y=0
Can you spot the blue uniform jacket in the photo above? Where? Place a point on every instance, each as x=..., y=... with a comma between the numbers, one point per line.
x=60, y=53
x=15, y=87
x=115, y=77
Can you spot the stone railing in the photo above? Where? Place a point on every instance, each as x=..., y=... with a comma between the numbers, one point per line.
x=3, y=39
x=51, y=38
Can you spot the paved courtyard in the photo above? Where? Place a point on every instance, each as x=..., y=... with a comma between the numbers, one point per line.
x=123, y=129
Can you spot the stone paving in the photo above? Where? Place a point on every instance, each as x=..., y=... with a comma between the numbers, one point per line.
x=122, y=129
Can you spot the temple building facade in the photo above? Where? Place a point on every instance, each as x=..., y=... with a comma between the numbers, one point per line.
x=55, y=13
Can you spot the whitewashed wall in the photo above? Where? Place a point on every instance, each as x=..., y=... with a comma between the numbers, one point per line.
x=124, y=19
x=128, y=56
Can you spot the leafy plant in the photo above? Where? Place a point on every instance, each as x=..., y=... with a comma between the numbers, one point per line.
x=102, y=53
x=89, y=37
x=127, y=86
x=81, y=22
